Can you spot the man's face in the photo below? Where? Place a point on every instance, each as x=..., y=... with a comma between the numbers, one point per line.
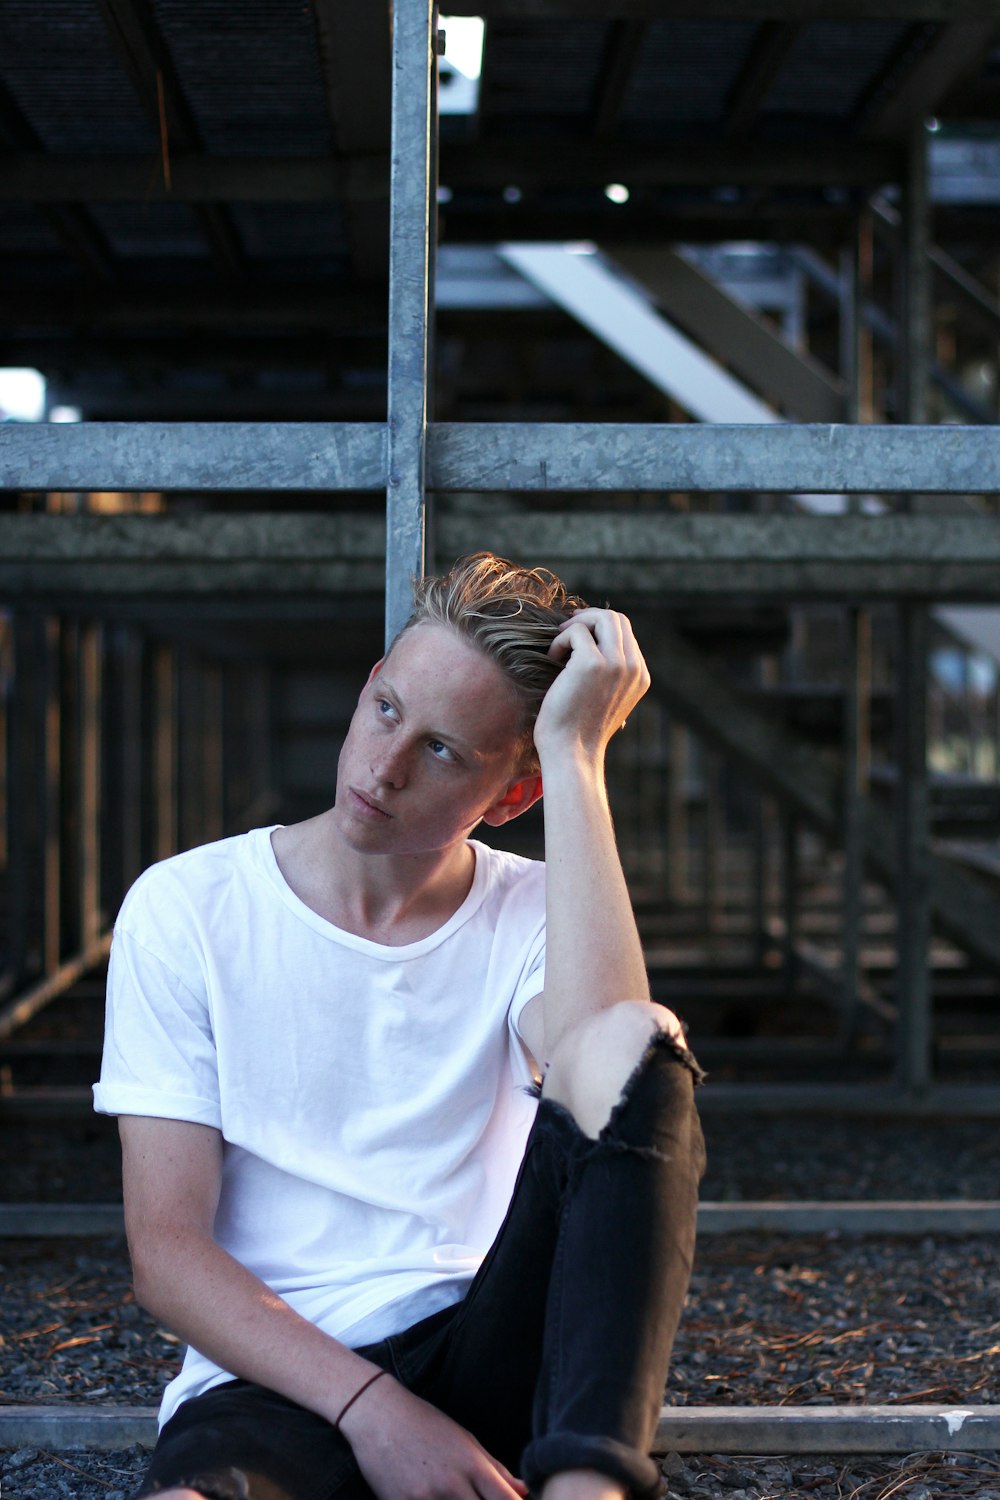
x=432, y=746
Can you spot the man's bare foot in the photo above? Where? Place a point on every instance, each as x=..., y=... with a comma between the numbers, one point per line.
x=582, y=1484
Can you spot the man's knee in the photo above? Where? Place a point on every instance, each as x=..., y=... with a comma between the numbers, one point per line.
x=593, y=1061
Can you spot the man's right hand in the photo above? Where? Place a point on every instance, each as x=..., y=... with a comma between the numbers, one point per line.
x=408, y=1450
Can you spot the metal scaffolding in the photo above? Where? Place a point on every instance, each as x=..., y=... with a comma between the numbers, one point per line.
x=66, y=578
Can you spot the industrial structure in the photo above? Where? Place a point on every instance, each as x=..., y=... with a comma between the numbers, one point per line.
x=695, y=303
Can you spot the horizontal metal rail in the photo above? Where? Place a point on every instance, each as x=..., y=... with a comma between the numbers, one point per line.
x=671, y=554
x=681, y=1429
x=498, y=457
x=935, y=1216
x=193, y=456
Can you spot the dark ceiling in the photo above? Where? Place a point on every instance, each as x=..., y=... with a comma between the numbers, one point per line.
x=201, y=186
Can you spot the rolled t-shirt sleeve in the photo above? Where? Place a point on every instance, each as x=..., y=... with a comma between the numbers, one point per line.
x=159, y=1051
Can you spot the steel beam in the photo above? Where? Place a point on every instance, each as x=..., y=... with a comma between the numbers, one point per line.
x=569, y=456
x=959, y=49
x=29, y=176
x=641, y=554
x=728, y=10
x=355, y=53
x=193, y=456
x=913, y=897
x=857, y=673
x=133, y=29
x=680, y=1429
x=411, y=298
x=710, y=706
x=732, y=332
x=497, y=457
x=827, y=1429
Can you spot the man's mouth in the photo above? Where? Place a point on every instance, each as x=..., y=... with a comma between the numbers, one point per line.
x=368, y=804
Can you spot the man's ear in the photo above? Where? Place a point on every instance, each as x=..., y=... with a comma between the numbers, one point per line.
x=518, y=797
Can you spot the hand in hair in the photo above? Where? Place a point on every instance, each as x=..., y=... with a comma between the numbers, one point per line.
x=603, y=678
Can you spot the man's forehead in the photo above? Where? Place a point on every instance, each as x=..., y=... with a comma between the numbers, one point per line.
x=454, y=681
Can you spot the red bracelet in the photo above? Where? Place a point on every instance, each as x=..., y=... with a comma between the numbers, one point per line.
x=360, y=1392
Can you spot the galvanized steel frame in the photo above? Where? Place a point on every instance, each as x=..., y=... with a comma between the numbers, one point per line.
x=410, y=458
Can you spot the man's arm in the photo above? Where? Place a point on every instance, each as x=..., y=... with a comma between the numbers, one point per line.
x=172, y=1172
x=593, y=956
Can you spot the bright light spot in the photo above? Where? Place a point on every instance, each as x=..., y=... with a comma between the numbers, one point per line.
x=933, y=124
x=512, y=194
x=580, y=247
x=22, y=395
x=445, y=194
x=464, y=43
x=617, y=192
x=65, y=414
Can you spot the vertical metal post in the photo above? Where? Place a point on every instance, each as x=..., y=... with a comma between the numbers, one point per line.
x=411, y=299
x=18, y=782
x=714, y=835
x=856, y=690
x=914, y=1000
x=164, y=753
x=790, y=886
x=677, y=820
x=915, y=344
x=211, y=750
x=50, y=722
x=849, y=330
x=759, y=878
x=129, y=740
x=90, y=675
x=864, y=263
x=913, y=987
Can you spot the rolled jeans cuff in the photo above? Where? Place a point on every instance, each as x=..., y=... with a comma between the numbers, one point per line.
x=558, y=1451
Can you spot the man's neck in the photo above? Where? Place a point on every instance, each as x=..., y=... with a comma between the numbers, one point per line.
x=391, y=900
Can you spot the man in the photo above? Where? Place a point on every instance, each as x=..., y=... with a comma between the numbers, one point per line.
x=319, y=1040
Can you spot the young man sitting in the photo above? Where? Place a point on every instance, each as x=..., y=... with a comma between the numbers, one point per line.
x=397, y=1274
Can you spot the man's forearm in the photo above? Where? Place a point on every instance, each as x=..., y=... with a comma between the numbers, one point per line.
x=593, y=953
x=232, y=1317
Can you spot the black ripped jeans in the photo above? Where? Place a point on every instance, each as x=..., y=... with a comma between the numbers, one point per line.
x=558, y=1355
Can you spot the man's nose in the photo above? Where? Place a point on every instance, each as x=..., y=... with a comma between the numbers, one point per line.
x=389, y=764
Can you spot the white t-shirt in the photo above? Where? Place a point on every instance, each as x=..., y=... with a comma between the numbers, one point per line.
x=373, y=1100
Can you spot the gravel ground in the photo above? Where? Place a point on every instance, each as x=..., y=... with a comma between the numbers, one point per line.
x=759, y=1157
x=770, y=1319
x=804, y=1320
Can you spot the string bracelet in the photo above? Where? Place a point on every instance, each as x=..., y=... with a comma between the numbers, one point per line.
x=359, y=1392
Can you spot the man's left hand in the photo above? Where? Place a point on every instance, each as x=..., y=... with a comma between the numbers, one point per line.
x=603, y=679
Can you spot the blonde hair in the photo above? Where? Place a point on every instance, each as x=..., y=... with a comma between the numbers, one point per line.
x=513, y=614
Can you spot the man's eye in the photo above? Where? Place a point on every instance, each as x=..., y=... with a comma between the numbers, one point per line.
x=441, y=750
x=385, y=708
